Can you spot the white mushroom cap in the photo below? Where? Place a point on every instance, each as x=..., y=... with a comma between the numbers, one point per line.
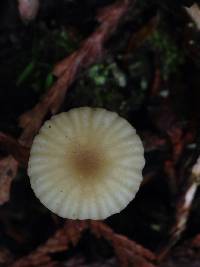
x=86, y=163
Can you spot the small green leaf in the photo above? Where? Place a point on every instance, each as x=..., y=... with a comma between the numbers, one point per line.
x=26, y=73
x=49, y=81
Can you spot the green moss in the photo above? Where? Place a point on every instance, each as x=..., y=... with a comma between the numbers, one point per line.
x=100, y=74
x=171, y=57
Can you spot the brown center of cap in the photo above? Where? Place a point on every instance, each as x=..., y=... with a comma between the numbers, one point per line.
x=87, y=162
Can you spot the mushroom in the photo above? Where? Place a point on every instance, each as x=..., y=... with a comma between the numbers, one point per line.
x=86, y=163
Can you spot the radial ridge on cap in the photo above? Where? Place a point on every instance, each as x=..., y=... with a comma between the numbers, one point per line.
x=86, y=163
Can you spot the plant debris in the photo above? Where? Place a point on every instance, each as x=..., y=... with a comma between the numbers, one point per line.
x=138, y=58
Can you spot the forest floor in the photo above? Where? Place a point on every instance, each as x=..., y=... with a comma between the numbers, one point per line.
x=148, y=72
